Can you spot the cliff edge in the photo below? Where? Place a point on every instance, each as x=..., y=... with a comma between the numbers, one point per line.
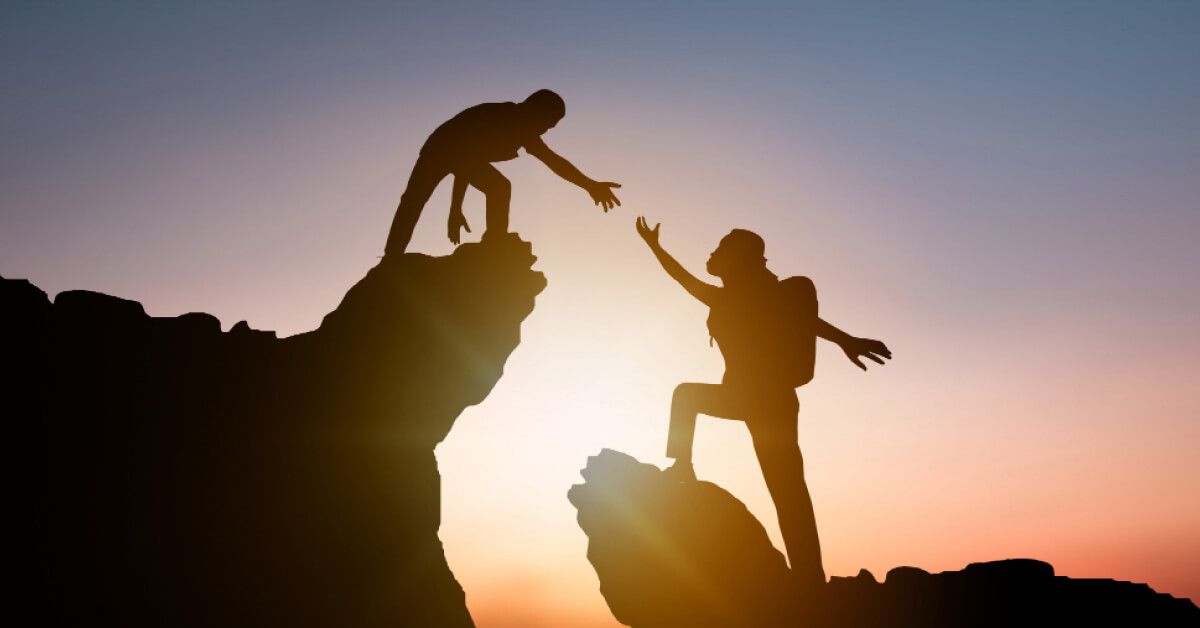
x=672, y=554
x=180, y=475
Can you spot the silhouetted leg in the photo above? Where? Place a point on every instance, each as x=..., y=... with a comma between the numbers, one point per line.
x=688, y=401
x=427, y=173
x=487, y=179
x=774, y=433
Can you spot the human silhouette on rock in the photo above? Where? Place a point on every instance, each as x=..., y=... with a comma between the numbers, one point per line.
x=766, y=330
x=466, y=145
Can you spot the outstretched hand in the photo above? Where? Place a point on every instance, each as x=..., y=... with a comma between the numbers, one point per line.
x=648, y=234
x=602, y=194
x=454, y=226
x=858, y=348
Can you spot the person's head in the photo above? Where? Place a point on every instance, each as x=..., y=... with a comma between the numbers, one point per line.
x=739, y=254
x=544, y=109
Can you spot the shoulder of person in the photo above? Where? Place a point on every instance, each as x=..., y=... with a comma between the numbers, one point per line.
x=487, y=110
x=718, y=297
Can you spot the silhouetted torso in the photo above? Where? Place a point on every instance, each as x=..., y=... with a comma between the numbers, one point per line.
x=493, y=131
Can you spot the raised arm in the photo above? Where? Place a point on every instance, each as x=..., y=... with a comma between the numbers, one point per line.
x=854, y=348
x=600, y=191
x=831, y=333
x=703, y=291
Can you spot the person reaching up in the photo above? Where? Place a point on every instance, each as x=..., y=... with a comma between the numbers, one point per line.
x=766, y=330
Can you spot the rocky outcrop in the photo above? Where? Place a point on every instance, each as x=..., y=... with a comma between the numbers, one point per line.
x=184, y=476
x=672, y=554
x=677, y=554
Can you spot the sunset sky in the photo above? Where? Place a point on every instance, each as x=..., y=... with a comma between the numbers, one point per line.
x=1008, y=194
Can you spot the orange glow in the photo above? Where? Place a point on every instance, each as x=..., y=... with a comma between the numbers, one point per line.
x=1034, y=417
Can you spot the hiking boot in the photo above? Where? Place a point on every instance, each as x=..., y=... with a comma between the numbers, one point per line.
x=681, y=472
x=494, y=237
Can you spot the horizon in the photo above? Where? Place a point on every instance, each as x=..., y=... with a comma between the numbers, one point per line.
x=1005, y=195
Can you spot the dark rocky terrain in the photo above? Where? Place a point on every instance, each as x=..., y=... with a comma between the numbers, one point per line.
x=672, y=554
x=178, y=475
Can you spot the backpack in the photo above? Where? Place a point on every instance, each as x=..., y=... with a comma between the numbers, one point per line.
x=768, y=336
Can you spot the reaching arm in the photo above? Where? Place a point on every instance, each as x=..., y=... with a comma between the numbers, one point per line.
x=457, y=220
x=457, y=194
x=702, y=291
x=557, y=163
x=854, y=348
x=831, y=333
x=600, y=191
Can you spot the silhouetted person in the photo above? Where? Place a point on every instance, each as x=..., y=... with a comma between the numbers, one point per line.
x=766, y=330
x=466, y=145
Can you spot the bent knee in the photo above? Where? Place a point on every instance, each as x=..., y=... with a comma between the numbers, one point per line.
x=683, y=391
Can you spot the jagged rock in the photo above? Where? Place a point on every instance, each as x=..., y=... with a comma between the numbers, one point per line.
x=674, y=554
x=906, y=576
x=1013, y=592
x=866, y=576
x=671, y=554
x=181, y=476
x=242, y=328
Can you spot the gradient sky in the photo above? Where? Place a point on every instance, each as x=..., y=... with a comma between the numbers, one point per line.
x=1006, y=193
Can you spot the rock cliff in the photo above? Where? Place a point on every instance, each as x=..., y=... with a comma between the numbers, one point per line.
x=672, y=554
x=184, y=476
